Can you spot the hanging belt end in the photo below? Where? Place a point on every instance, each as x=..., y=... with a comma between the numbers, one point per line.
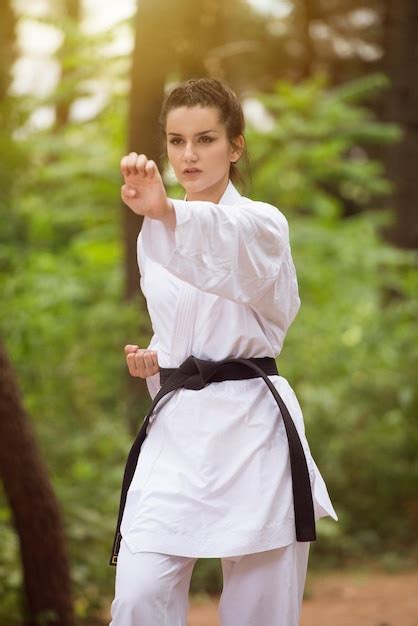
x=306, y=534
x=115, y=549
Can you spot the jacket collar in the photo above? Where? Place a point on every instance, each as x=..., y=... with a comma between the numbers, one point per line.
x=231, y=195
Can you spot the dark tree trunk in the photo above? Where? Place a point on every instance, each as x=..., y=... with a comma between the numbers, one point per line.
x=150, y=64
x=35, y=511
x=401, y=23
x=305, y=12
x=149, y=69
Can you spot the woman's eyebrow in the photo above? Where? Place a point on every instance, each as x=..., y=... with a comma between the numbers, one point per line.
x=197, y=134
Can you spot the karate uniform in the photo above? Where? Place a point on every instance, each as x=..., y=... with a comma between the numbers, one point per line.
x=213, y=476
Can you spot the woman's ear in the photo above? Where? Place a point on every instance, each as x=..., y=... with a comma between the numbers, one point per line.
x=236, y=152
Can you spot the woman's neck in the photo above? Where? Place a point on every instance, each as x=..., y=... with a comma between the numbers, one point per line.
x=210, y=194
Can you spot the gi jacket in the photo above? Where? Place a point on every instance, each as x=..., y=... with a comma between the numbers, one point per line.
x=213, y=476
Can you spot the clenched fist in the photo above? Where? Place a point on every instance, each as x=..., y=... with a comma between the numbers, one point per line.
x=141, y=362
x=144, y=191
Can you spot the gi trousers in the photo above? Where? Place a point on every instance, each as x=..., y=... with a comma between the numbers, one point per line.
x=259, y=589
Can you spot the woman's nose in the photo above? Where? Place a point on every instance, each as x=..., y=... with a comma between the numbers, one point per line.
x=189, y=152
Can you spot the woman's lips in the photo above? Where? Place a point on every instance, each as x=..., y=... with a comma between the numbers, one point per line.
x=192, y=174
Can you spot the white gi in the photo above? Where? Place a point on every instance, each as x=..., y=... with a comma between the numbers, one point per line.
x=213, y=476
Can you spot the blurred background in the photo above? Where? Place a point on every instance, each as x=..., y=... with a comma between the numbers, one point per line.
x=330, y=94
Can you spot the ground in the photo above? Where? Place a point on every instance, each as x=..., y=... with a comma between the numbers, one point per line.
x=357, y=598
x=342, y=599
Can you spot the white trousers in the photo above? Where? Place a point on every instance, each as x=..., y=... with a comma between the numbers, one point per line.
x=260, y=589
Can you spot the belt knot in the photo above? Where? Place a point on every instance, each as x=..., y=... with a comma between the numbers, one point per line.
x=199, y=372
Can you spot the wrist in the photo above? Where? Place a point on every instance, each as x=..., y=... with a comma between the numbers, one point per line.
x=168, y=217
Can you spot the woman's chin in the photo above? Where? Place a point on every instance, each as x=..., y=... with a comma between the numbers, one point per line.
x=193, y=185
x=192, y=182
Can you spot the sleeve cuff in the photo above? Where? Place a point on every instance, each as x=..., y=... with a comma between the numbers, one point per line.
x=161, y=242
x=153, y=384
x=182, y=211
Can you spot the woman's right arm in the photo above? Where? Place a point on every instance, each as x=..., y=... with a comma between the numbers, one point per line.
x=239, y=251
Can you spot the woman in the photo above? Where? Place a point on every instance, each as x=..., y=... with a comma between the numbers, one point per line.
x=214, y=477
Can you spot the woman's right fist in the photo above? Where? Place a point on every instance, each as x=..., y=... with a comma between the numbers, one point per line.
x=141, y=362
x=144, y=190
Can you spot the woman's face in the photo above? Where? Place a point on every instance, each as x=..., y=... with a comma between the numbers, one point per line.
x=196, y=140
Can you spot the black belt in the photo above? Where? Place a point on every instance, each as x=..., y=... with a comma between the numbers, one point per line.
x=196, y=373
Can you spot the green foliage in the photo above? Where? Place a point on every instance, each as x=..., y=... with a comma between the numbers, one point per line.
x=312, y=159
x=353, y=361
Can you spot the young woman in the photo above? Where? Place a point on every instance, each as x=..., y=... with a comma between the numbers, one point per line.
x=224, y=469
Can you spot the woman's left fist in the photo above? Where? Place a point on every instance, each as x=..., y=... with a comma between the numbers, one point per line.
x=144, y=190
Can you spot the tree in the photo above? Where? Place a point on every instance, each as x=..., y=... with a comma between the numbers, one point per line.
x=147, y=91
x=35, y=510
x=401, y=54
x=72, y=17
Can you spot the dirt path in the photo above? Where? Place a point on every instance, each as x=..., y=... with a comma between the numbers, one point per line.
x=342, y=599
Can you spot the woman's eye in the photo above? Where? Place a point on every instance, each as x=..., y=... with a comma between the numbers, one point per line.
x=204, y=138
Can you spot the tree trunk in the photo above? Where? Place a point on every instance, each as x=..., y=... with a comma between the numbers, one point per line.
x=401, y=22
x=148, y=76
x=71, y=9
x=34, y=509
x=149, y=69
x=304, y=12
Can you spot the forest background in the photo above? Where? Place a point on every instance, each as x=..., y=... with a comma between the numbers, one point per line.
x=330, y=93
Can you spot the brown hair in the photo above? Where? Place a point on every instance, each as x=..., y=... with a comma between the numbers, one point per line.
x=215, y=93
